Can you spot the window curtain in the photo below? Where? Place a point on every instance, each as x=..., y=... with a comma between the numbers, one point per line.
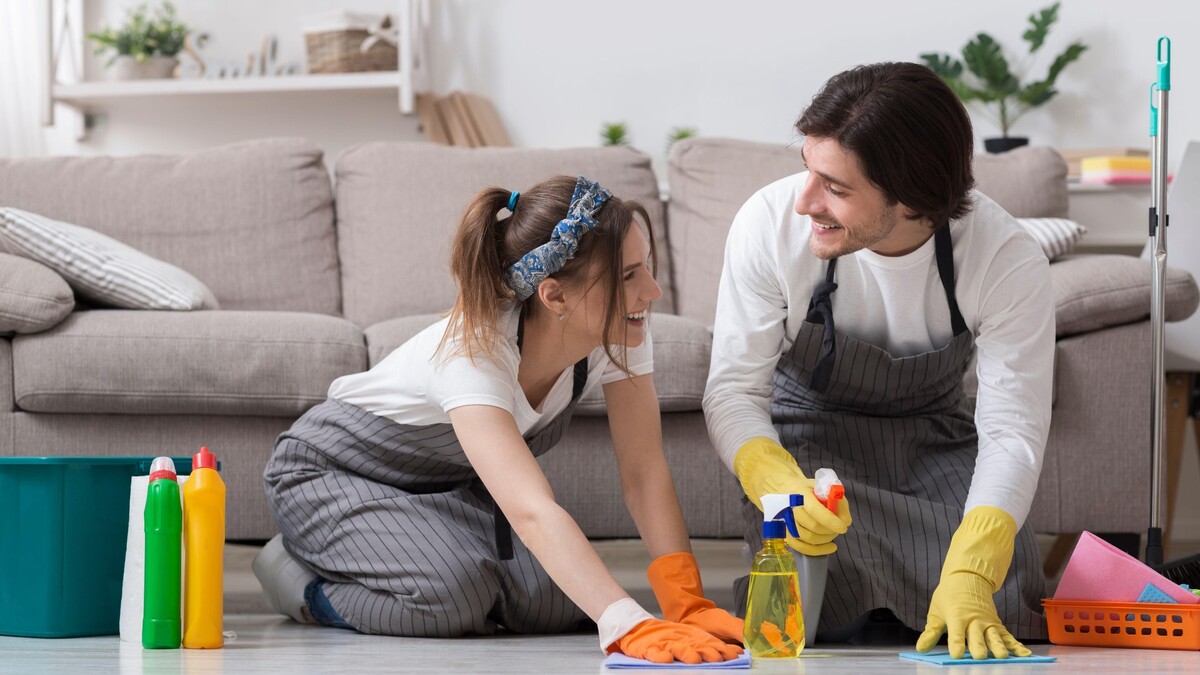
x=22, y=78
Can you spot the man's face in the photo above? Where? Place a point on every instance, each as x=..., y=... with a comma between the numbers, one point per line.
x=847, y=211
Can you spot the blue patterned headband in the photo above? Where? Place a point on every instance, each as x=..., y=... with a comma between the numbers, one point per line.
x=533, y=267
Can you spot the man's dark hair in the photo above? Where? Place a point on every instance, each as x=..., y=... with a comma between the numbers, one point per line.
x=910, y=133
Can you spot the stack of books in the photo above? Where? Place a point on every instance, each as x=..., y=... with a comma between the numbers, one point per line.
x=1108, y=166
x=461, y=119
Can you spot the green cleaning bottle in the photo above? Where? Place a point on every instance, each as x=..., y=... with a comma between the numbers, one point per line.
x=161, y=624
x=774, y=619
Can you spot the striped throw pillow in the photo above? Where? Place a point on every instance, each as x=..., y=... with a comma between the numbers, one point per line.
x=99, y=267
x=1056, y=236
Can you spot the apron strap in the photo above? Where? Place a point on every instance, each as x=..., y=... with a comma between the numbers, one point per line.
x=820, y=310
x=944, y=250
x=503, y=530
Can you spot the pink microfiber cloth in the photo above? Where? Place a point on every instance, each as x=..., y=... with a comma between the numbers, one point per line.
x=1100, y=571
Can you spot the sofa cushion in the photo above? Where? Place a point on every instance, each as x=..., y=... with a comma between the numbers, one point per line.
x=681, y=352
x=384, y=337
x=398, y=205
x=1096, y=291
x=682, y=349
x=32, y=296
x=101, y=268
x=1029, y=182
x=711, y=178
x=253, y=221
x=1056, y=236
x=196, y=363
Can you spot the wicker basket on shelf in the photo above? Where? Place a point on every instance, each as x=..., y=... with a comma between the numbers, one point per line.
x=334, y=42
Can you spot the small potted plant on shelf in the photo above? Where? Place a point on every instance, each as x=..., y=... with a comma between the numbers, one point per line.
x=994, y=84
x=144, y=47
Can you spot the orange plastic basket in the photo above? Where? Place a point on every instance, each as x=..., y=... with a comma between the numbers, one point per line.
x=1141, y=625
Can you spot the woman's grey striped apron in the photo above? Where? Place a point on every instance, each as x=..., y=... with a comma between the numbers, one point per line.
x=399, y=525
x=901, y=435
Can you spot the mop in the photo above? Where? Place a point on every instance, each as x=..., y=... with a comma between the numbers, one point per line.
x=1186, y=570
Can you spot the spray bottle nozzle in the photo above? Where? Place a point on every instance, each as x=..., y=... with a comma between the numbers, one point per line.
x=777, y=515
x=828, y=489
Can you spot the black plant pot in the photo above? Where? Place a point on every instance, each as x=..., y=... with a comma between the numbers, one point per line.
x=999, y=145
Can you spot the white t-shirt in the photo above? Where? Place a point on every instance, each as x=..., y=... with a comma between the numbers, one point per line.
x=897, y=303
x=410, y=387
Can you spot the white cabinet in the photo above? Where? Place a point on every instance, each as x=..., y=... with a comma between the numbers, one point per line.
x=1116, y=216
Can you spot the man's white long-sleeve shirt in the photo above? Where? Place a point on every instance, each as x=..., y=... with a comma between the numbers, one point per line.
x=897, y=303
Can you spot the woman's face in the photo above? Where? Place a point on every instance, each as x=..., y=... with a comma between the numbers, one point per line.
x=638, y=286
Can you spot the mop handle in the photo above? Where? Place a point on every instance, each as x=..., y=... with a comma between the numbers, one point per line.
x=1158, y=216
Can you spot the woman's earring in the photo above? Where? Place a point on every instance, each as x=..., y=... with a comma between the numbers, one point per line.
x=561, y=316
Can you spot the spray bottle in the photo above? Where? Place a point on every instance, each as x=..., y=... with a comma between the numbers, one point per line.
x=774, y=619
x=204, y=534
x=164, y=523
x=814, y=569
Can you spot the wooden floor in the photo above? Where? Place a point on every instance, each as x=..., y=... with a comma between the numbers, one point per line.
x=264, y=643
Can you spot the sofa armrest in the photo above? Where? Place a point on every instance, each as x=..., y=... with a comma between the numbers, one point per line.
x=1097, y=291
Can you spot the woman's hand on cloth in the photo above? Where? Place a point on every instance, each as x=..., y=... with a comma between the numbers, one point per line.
x=764, y=467
x=675, y=579
x=962, y=606
x=664, y=641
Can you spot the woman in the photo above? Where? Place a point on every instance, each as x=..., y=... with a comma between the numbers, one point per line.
x=398, y=491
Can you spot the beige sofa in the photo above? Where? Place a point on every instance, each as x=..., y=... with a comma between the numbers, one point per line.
x=317, y=278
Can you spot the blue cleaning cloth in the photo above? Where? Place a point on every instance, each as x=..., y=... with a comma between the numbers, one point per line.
x=943, y=659
x=1153, y=593
x=621, y=661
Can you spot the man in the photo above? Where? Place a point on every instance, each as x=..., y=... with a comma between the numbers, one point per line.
x=852, y=299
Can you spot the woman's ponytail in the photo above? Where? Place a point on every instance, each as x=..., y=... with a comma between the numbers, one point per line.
x=477, y=265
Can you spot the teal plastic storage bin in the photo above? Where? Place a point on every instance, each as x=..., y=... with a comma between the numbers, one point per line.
x=63, y=524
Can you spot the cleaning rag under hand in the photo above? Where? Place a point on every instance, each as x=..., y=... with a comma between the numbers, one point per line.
x=618, y=660
x=944, y=659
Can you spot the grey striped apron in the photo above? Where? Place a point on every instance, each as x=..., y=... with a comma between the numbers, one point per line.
x=901, y=435
x=408, y=540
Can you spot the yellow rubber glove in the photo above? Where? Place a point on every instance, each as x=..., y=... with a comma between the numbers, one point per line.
x=675, y=580
x=962, y=606
x=764, y=467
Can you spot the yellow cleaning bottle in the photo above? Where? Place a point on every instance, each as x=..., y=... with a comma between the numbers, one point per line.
x=774, y=625
x=204, y=534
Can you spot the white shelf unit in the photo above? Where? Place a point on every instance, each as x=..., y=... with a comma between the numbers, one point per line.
x=93, y=94
x=410, y=77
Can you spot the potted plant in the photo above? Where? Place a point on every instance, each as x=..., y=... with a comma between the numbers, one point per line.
x=145, y=46
x=994, y=85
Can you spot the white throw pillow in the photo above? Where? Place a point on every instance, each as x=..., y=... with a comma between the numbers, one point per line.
x=99, y=267
x=1056, y=236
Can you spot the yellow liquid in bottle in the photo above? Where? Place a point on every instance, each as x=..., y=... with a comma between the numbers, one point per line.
x=774, y=621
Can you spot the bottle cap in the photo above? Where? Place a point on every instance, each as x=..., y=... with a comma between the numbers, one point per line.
x=204, y=460
x=162, y=467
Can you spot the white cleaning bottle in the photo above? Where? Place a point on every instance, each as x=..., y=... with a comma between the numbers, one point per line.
x=774, y=626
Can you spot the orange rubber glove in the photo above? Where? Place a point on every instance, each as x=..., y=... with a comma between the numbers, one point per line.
x=764, y=467
x=962, y=606
x=663, y=642
x=675, y=578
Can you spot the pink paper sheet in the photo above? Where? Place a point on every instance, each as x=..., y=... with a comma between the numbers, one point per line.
x=1098, y=570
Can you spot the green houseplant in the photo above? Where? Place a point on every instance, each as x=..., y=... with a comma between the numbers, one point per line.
x=145, y=45
x=994, y=85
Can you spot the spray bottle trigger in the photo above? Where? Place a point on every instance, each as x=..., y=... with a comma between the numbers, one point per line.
x=789, y=516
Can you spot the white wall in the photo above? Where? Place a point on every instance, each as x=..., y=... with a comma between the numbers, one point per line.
x=558, y=69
